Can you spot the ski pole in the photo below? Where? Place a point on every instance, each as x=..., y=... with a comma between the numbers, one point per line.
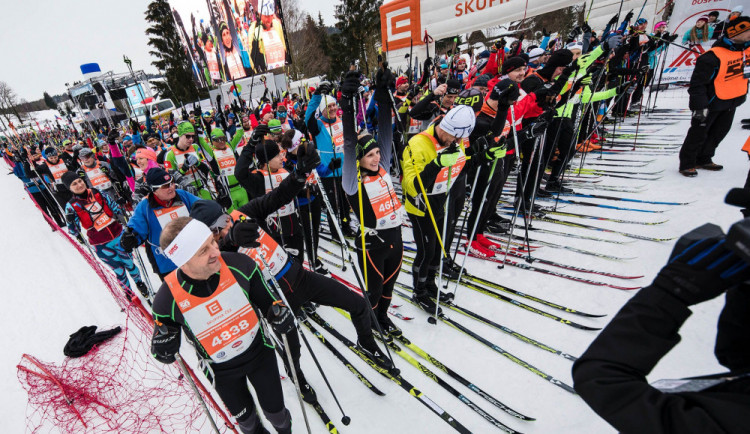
x=186, y=374
x=344, y=419
x=145, y=274
x=294, y=375
x=512, y=225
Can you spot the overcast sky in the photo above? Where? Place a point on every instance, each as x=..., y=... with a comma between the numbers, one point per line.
x=50, y=39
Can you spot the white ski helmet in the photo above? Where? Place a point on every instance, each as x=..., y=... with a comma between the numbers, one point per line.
x=459, y=121
x=324, y=101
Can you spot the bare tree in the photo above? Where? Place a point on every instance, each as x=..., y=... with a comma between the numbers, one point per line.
x=8, y=102
x=304, y=36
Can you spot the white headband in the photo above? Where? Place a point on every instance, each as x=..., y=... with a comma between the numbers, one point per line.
x=296, y=140
x=187, y=242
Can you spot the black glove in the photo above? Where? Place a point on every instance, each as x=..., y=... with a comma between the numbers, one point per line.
x=544, y=97
x=383, y=79
x=506, y=97
x=350, y=85
x=586, y=28
x=307, y=161
x=129, y=240
x=225, y=200
x=613, y=21
x=699, y=117
x=545, y=33
x=324, y=87
x=260, y=132
x=244, y=233
x=628, y=16
x=334, y=164
x=281, y=318
x=165, y=343
x=112, y=136
x=574, y=33
x=534, y=130
x=701, y=267
x=624, y=87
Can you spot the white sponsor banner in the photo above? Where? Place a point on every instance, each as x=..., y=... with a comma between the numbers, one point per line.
x=680, y=62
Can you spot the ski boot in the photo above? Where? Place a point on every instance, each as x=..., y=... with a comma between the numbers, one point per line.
x=320, y=268
x=143, y=289
x=374, y=353
x=555, y=186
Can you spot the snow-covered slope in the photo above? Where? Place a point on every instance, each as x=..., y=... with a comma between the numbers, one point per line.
x=50, y=292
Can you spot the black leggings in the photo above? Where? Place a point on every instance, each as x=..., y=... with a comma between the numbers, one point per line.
x=488, y=203
x=300, y=286
x=263, y=373
x=312, y=240
x=383, y=267
x=427, y=259
x=456, y=205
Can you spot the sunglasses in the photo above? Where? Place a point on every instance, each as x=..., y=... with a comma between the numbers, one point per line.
x=219, y=139
x=166, y=186
x=190, y=136
x=220, y=223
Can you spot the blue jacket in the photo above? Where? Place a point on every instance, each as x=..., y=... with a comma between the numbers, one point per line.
x=323, y=137
x=147, y=227
x=19, y=171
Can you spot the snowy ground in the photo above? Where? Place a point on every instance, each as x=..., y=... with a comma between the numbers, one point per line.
x=51, y=292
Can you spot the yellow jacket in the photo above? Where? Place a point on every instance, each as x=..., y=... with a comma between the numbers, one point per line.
x=422, y=150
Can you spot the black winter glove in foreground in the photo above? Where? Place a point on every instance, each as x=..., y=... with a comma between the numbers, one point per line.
x=129, y=240
x=165, y=343
x=350, y=85
x=281, y=318
x=701, y=267
x=245, y=233
x=307, y=161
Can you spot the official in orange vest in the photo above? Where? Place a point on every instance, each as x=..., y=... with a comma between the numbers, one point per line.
x=717, y=87
x=217, y=299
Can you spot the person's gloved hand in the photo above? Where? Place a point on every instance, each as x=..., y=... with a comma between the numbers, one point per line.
x=701, y=267
x=350, y=85
x=612, y=42
x=672, y=37
x=190, y=161
x=112, y=136
x=259, y=133
x=244, y=233
x=307, y=161
x=335, y=163
x=496, y=151
x=129, y=240
x=544, y=97
x=449, y=157
x=281, y=318
x=546, y=33
x=225, y=200
x=699, y=117
x=624, y=87
x=573, y=34
x=613, y=20
x=505, y=97
x=165, y=343
x=324, y=87
x=629, y=16
x=585, y=27
x=383, y=79
x=534, y=130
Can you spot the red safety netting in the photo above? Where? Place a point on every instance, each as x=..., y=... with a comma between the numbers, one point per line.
x=116, y=387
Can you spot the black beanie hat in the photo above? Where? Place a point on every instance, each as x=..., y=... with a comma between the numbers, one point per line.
x=513, y=63
x=482, y=80
x=68, y=178
x=737, y=26
x=265, y=152
x=206, y=211
x=561, y=57
x=365, y=144
x=454, y=87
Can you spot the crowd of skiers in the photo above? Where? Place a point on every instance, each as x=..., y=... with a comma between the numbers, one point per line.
x=230, y=213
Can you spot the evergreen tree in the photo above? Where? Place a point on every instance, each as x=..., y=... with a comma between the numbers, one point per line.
x=170, y=54
x=49, y=101
x=358, y=23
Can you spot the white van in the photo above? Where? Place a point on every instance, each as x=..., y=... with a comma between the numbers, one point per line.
x=157, y=109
